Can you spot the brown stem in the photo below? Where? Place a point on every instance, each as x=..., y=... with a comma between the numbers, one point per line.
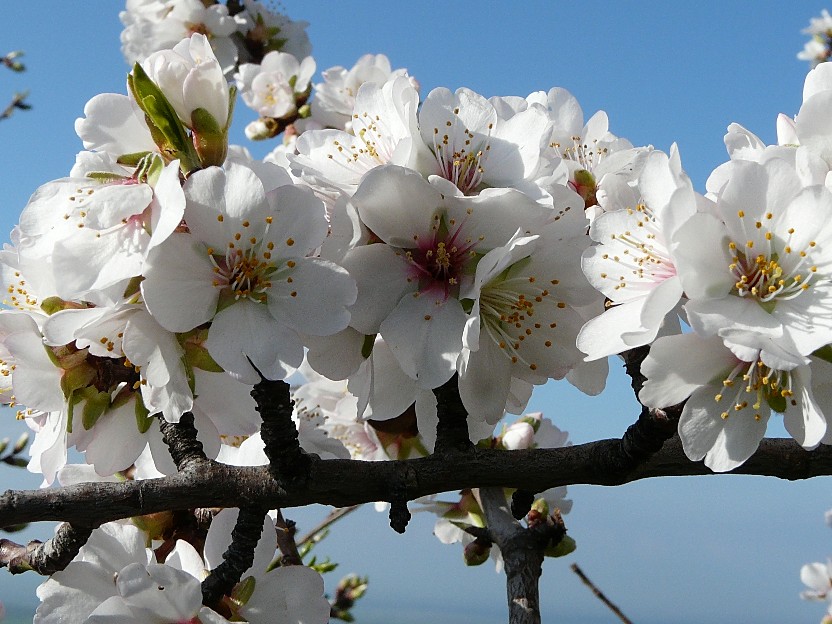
x=286, y=541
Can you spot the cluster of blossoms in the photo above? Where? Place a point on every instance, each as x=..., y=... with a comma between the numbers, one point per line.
x=241, y=32
x=393, y=244
x=819, y=48
x=128, y=575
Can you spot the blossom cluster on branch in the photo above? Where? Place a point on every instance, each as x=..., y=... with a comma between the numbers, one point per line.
x=413, y=267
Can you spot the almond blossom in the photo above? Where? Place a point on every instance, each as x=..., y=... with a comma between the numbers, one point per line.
x=729, y=399
x=762, y=267
x=409, y=284
x=245, y=266
x=632, y=263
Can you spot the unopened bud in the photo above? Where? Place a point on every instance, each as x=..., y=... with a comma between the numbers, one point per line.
x=21, y=443
x=519, y=435
x=259, y=130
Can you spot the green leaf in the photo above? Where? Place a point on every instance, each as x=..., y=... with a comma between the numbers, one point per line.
x=168, y=131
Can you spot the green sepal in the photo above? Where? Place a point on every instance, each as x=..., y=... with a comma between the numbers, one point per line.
x=776, y=401
x=76, y=378
x=105, y=177
x=197, y=356
x=367, y=346
x=143, y=417
x=210, y=140
x=50, y=305
x=243, y=590
x=131, y=160
x=564, y=547
x=824, y=353
x=4, y=444
x=95, y=404
x=232, y=101
x=166, y=128
x=149, y=169
x=133, y=288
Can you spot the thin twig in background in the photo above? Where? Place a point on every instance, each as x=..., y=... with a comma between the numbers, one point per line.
x=599, y=594
x=334, y=515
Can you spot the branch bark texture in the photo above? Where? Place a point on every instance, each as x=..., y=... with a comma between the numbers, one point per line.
x=342, y=482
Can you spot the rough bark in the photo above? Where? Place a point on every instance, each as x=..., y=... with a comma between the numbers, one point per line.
x=341, y=482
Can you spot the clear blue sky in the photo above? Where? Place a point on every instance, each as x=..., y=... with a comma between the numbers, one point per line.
x=704, y=550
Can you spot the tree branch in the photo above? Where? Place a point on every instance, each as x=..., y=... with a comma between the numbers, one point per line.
x=343, y=482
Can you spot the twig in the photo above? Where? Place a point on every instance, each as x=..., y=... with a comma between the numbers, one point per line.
x=452, y=428
x=180, y=438
x=287, y=461
x=44, y=558
x=332, y=517
x=18, y=103
x=599, y=594
x=286, y=541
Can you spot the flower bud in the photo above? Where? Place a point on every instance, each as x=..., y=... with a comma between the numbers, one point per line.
x=476, y=553
x=519, y=435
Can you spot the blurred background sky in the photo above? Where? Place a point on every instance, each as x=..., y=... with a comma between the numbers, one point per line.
x=697, y=550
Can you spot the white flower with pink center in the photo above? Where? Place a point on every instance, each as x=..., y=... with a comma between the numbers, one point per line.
x=409, y=282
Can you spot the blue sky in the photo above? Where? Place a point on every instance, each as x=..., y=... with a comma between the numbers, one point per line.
x=702, y=550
